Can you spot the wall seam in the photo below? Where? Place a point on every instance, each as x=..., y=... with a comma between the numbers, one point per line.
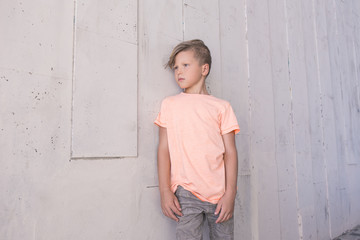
x=220, y=47
x=73, y=81
x=137, y=77
x=254, y=206
x=321, y=118
x=183, y=20
x=299, y=216
x=275, y=147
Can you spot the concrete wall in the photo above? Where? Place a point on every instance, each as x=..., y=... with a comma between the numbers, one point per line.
x=69, y=70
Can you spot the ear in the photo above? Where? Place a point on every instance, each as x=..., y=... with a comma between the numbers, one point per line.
x=205, y=69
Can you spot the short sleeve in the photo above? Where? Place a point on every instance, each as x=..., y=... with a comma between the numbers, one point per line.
x=228, y=122
x=161, y=117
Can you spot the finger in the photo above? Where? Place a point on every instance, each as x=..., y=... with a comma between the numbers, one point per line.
x=218, y=208
x=177, y=204
x=164, y=210
x=221, y=217
x=170, y=214
x=224, y=215
x=175, y=210
x=227, y=217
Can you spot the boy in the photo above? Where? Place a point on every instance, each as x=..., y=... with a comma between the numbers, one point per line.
x=197, y=157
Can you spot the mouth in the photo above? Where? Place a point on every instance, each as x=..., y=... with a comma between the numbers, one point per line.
x=181, y=79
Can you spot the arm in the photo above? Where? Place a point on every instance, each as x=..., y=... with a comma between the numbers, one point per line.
x=226, y=203
x=169, y=202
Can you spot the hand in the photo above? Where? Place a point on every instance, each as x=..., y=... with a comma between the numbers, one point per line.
x=226, y=207
x=170, y=205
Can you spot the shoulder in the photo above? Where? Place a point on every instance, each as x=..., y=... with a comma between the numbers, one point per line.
x=220, y=103
x=170, y=99
x=168, y=102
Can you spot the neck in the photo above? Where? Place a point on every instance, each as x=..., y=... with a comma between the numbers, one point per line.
x=200, y=89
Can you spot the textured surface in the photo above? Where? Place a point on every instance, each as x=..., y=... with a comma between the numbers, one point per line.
x=104, y=114
x=353, y=234
x=290, y=69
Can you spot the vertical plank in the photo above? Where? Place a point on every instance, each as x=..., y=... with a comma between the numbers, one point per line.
x=354, y=177
x=347, y=20
x=265, y=197
x=315, y=121
x=339, y=62
x=328, y=118
x=302, y=151
x=235, y=89
x=356, y=10
x=339, y=58
x=351, y=108
x=284, y=136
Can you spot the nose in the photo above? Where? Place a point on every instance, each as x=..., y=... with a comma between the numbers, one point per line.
x=179, y=70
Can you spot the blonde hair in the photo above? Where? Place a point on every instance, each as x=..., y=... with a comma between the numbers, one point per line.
x=201, y=52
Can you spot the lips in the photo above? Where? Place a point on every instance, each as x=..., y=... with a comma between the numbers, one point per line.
x=181, y=79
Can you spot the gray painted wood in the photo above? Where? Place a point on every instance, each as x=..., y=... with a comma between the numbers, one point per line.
x=290, y=69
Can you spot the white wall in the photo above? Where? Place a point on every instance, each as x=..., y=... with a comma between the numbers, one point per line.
x=291, y=70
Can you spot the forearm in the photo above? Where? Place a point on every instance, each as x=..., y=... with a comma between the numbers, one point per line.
x=169, y=203
x=231, y=171
x=164, y=167
x=231, y=163
x=226, y=204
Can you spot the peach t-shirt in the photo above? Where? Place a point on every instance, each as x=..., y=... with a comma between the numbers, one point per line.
x=195, y=124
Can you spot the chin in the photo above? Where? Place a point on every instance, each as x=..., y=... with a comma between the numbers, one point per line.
x=182, y=85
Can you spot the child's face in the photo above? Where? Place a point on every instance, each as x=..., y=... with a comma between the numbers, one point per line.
x=188, y=71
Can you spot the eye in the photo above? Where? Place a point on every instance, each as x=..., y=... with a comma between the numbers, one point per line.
x=176, y=68
x=186, y=65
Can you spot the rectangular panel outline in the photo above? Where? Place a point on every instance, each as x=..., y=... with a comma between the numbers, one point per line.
x=72, y=92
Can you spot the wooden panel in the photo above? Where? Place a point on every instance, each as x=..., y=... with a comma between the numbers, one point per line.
x=328, y=118
x=105, y=80
x=341, y=81
x=265, y=197
x=350, y=80
x=353, y=169
x=315, y=109
x=301, y=126
x=284, y=135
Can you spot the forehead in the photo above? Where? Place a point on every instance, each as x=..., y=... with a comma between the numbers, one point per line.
x=187, y=55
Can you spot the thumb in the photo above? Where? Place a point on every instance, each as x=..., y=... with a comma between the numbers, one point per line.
x=177, y=204
x=218, y=208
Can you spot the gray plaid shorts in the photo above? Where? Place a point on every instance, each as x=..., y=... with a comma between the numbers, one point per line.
x=195, y=211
